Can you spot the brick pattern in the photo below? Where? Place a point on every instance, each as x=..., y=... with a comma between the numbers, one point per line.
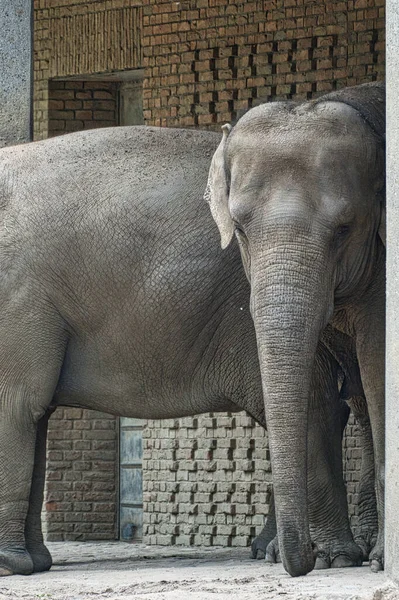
x=208, y=60
x=81, y=486
x=77, y=105
x=352, y=455
x=206, y=480
x=81, y=37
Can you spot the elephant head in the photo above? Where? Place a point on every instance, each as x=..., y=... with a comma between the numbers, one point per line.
x=302, y=188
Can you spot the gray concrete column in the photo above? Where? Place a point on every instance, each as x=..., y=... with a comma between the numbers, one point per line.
x=15, y=71
x=392, y=363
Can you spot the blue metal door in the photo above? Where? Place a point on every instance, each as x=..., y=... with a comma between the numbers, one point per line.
x=131, y=480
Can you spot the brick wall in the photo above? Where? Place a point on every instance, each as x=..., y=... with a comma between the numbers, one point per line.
x=81, y=486
x=206, y=480
x=206, y=60
x=352, y=459
x=81, y=37
x=77, y=105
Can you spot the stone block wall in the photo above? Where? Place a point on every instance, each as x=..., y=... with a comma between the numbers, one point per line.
x=206, y=480
x=78, y=105
x=81, y=486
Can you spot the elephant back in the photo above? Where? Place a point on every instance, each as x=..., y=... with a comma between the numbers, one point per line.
x=368, y=100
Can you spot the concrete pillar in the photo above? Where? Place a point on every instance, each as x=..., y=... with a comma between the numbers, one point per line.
x=392, y=387
x=15, y=71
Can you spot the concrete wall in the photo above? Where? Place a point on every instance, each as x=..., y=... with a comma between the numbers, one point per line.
x=392, y=385
x=16, y=71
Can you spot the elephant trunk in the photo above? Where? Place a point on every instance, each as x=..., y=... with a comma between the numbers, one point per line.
x=289, y=312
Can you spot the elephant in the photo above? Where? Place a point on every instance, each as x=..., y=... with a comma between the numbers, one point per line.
x=302, y=188
x=116, y=296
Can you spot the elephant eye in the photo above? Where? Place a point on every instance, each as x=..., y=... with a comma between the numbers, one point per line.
x=238, y=227
x=342, y=230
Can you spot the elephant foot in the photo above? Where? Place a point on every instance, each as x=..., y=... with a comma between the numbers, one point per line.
x=366, y=541
x=258, y=550
x=259, y=546
x=41, y=558
x=376, y=557
x=266, y=536
x=273, y=552
x=338, y=557
x=376, y=565
x=326, y=556
x=342, y=561
x=16, y=562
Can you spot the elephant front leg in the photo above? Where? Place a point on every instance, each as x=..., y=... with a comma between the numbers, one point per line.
x=40, y=555
x=17, y=447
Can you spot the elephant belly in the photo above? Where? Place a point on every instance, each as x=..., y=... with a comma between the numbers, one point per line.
x=99, y=376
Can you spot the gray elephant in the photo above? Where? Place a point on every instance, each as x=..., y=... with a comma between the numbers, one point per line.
x=117, y=297
x=302, y=187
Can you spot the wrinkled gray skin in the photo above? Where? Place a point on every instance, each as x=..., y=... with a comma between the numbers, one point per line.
x=116, y=296
x=302, y=187
x=265, y=545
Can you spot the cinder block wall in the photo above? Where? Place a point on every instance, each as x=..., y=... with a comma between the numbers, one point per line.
x=352, y=462
x=206, y=480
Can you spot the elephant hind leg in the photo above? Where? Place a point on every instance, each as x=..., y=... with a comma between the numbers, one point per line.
x=40, y=555
x=269, y=532
x=33, y=338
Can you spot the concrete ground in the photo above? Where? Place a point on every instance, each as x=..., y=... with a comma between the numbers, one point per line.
x=120, y=571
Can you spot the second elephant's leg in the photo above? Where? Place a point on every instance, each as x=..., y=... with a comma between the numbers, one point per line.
x=370, y=348
x=41, y=557
x=328, y=508
x=269, y=532
x=367, y=528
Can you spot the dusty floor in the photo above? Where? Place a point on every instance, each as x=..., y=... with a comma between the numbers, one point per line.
x=118, y=571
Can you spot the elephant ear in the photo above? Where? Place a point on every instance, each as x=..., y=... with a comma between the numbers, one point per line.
x=217, y=192
x=369, y=101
